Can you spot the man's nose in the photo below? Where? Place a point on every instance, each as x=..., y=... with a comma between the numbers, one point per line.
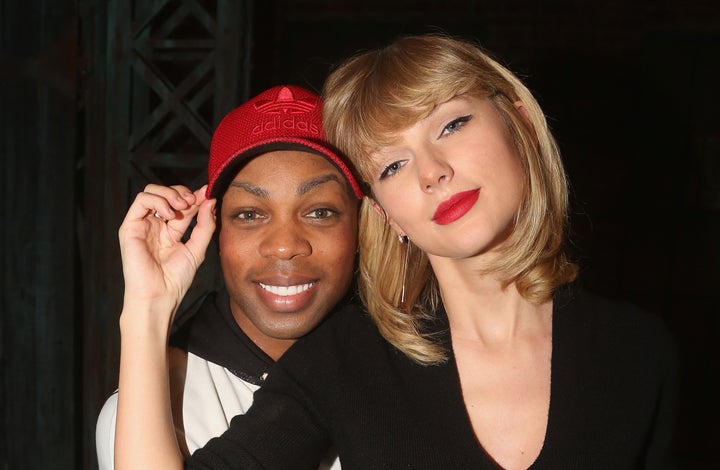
x=285, y=241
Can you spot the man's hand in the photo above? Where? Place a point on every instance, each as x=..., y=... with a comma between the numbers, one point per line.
x=158, y=267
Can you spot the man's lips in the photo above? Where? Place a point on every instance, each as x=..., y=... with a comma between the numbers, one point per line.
x=287, y=294
x=457, y=206
x=285, y=291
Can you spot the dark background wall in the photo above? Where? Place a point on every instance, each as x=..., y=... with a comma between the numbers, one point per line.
x=630, y=89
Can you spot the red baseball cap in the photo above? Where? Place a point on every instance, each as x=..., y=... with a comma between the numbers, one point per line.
x=285, y=117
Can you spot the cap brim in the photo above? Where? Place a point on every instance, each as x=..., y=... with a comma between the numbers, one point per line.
x=233, y=165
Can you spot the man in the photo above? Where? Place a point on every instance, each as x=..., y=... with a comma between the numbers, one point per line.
x=286, y=226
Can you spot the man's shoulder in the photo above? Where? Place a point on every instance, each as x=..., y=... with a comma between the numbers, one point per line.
x=202, y=312
x=347, y=316
x=348, y=330
x=213, y=335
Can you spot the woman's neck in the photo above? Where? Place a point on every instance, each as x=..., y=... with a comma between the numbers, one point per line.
x=480, y=307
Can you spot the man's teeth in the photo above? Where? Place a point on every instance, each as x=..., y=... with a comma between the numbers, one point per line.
x=286, y=290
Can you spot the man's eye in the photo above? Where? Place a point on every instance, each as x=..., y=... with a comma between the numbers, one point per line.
x=321, y=213
x=247, y=215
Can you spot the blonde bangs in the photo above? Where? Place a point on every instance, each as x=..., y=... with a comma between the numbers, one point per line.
x=387, y=93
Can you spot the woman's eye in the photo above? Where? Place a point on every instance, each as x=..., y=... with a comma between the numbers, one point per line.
x=321, y=213
x=391, y=169
x=456, y=124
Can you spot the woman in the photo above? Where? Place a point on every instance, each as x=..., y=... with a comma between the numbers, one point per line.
x=466, y=217
x=481, y=352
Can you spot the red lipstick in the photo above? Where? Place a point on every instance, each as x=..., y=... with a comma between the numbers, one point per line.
x=455, y=207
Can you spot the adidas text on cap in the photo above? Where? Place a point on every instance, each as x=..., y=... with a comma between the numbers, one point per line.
x=285, y=117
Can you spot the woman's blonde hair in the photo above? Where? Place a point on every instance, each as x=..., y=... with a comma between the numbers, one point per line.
x=377, y=93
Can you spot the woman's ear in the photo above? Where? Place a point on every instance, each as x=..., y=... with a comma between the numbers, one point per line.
x=377, y=208
x=525, y=115
x=398, y=230
x=381, y=212
x=523, y=110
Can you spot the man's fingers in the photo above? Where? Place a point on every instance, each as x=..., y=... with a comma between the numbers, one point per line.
x=203, y=231
x=168, y=202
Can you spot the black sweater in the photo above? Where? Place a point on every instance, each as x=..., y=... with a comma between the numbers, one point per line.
x=612, y=406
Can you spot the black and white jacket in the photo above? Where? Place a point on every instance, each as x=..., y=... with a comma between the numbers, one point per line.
x=224, y=369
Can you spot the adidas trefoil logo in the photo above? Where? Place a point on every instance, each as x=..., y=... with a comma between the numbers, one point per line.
x=286, y=112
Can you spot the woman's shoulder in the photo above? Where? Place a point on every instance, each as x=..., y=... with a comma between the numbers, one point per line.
x=615, y=319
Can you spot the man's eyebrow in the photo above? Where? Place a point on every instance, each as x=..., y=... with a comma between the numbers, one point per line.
x=304, y=188
x=317, y=181
x=250, y=188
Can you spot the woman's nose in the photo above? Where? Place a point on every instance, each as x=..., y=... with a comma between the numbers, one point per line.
x=433, y=169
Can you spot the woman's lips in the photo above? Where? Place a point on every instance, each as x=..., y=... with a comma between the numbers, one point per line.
x=457, y=206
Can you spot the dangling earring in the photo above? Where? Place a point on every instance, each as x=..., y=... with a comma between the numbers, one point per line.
x=403, y=239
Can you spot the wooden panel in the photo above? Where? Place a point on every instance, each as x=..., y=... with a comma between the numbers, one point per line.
x=38, y=318
x=166, y=75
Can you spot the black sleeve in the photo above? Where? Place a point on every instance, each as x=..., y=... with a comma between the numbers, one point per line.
x=660, y=453
x=277, y=432
x=289, y=423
